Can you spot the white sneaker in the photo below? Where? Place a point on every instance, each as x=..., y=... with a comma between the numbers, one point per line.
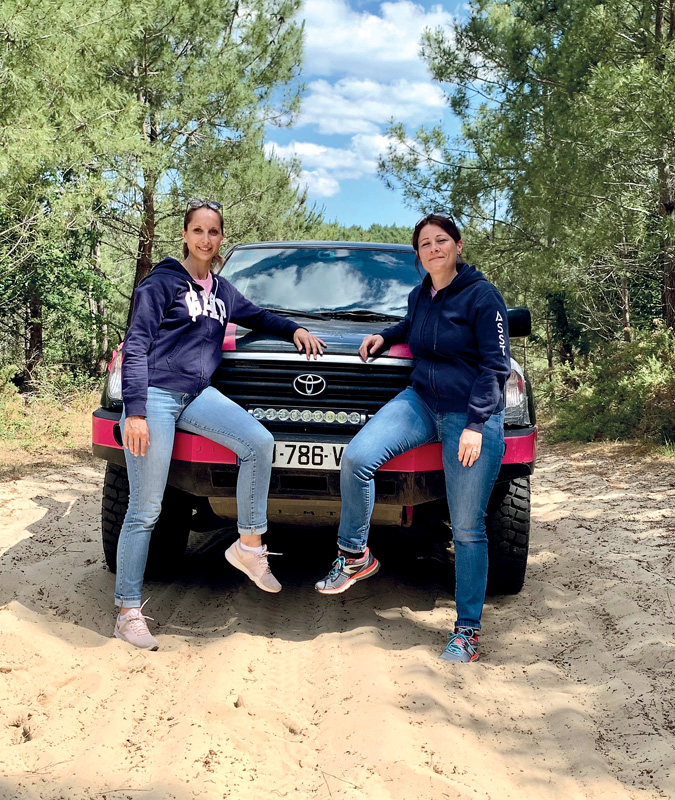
x=133, y=629
x=254, y=565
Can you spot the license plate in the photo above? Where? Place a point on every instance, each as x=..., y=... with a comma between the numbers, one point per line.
x=307, y=455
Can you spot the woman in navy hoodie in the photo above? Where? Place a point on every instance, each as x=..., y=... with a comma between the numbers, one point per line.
x=457, y=332
x=171, y=350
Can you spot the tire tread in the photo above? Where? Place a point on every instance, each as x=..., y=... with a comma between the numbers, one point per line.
x=508, y=531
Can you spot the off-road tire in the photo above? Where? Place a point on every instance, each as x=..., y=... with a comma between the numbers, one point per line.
x=508, y=531
x=169, y=537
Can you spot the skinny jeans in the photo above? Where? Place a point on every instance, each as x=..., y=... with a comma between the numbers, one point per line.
x=402, y=424
x=216, y=417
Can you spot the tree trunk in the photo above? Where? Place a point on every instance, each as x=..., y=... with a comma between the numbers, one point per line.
x=102, y=364
x=146, y=239
x=666, y=170
x=669, y=283
x=93, y=342
x=146, y=235
x=34, y=348
x=625, y=309
x=666, y=175
x=99, y=326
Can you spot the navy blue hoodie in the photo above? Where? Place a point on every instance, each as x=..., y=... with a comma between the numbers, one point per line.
x=176, y=332
x=460, y=343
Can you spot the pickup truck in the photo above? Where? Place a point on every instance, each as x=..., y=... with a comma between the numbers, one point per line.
x=341, y=291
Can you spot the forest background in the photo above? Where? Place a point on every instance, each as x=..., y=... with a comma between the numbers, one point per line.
x=113, y=114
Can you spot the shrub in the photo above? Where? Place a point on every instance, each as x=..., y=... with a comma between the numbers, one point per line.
x=54, y=414
x=626, y=391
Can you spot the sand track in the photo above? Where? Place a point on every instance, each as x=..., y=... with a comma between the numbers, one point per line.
x=301, y=696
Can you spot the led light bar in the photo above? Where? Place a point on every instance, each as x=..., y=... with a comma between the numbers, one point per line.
x=307, y=415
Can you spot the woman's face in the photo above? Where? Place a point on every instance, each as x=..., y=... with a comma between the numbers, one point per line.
x=203, y=236
x=438, y=251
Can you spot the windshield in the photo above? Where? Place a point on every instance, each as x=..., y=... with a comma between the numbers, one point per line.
x=324, y=279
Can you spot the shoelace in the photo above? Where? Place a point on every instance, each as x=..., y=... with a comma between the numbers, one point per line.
x=137, y=622
x=338, y=565
x=262, y=557
x=461, y=641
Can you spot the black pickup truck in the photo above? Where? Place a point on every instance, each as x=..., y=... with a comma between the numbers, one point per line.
x=341, y=291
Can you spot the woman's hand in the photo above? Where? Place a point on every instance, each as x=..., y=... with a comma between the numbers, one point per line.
x=370, y=345
x=311, y=344
x=136, y=435
x=470, y=443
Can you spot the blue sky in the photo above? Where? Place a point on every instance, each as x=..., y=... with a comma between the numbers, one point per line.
x=361, y=68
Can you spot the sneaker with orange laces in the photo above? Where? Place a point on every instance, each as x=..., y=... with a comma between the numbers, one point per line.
x=462, y=645
x=345, y=572
x=133, y=629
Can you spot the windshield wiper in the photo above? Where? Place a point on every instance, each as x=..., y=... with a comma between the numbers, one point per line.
x=294, y=312
x=362, y=314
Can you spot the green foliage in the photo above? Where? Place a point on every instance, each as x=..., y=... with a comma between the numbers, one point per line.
x=333, y=231
x=112, y=114
x=561, y=170
x=54, y=416
x=562, y=175
x=627, y=391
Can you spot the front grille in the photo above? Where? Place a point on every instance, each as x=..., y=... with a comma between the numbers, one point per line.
x=351, y=385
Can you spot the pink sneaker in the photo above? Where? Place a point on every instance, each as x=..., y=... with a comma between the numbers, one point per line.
x=133, y=629
x=254, y=565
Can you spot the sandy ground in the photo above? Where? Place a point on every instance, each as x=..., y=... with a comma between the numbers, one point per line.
x=301, y=696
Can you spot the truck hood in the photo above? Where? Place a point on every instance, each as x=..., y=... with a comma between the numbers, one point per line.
x=342, y=337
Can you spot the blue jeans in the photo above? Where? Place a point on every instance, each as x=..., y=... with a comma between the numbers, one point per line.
x=214, y=416
x=407, y=422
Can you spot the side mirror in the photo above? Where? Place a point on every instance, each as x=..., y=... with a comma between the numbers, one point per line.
x=520, y=322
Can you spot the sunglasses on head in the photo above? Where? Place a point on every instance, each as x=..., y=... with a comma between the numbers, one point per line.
x=442, y=214
x=214, y=205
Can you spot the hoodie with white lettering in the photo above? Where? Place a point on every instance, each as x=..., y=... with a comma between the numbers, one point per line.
x=176, y=333
x=459, y=339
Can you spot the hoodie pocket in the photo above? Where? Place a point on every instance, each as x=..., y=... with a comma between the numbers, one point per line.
x=185, y=357
x=173, y=354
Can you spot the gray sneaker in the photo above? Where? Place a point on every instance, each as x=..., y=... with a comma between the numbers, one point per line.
x=133, y=629
x=462, y=646
x=347, y=571
x=254, y=565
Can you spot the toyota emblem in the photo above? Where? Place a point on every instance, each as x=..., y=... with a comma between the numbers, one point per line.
x=309, y=385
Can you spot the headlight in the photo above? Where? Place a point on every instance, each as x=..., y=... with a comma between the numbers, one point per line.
x=115, y=375
x=515, y=397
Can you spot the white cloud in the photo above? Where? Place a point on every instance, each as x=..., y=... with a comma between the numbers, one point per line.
x=364, y=69
x=318, y=183
x=324, y=167
x=360, y=159
x=364, y=106
x=342, y=41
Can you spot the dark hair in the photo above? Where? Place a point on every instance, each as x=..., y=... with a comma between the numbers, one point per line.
x=186, y=221
x=441, y=219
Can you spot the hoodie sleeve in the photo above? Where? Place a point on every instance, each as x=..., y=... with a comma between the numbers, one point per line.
x=491, y=329
x=398, y=333
x=246, y=313
x=151, y=301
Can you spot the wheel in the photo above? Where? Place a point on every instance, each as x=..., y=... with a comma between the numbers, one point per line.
x=508, y=530
x=170, y=535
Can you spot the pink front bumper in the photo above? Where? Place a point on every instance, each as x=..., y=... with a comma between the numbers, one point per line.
x=520, y=449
